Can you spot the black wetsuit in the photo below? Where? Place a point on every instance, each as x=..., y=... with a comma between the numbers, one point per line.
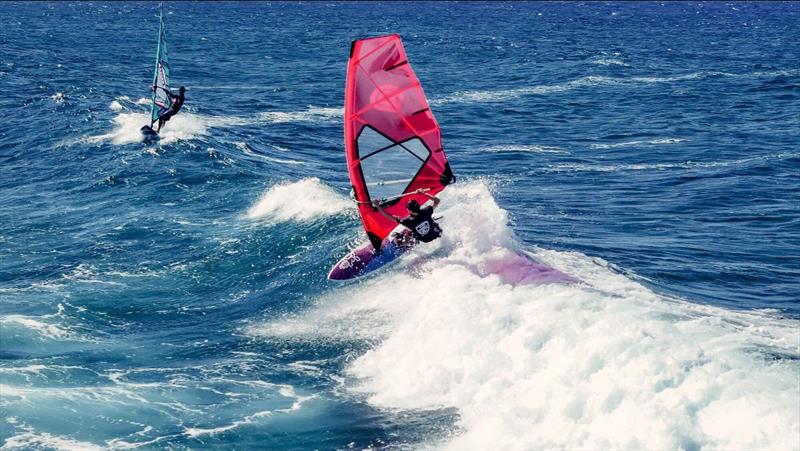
x=177, y=103
x=423, y=226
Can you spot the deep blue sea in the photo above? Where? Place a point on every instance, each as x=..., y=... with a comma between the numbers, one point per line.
x=174, y=294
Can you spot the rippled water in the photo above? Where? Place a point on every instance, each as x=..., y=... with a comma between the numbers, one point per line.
x=174, y=294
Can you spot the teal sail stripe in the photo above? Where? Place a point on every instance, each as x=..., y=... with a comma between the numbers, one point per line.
x=161, y=101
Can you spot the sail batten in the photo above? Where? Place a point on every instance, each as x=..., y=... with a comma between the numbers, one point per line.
x=391, y=134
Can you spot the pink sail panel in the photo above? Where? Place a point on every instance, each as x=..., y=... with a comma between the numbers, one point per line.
x=392, y=141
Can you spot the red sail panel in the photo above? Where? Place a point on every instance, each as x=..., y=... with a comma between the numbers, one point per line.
x=392, y=141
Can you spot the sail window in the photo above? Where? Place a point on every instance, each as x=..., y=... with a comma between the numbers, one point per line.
x=389, y=167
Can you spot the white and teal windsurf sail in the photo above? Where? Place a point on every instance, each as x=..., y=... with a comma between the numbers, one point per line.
x=161, y=101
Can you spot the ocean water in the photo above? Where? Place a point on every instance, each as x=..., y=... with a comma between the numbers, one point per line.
x=173, y=294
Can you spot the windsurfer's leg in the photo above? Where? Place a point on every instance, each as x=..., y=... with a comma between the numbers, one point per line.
x=164, y=118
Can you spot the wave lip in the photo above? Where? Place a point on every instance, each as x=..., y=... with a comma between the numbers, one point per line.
x=301, y=201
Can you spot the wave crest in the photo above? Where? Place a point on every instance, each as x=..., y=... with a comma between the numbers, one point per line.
x=303, y=200
x=602, y=364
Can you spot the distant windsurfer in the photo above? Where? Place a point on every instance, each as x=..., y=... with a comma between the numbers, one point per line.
x=420, y=219
x=177, y=103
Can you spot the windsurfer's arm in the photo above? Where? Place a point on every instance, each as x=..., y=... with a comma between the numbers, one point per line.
x=377, y=204
x=154, y=87
x=435, y=199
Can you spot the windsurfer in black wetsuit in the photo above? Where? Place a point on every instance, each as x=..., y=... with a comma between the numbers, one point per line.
x=419, y=221
x=177, y=103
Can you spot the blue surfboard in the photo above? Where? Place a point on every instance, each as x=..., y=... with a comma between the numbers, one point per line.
x=364, y=260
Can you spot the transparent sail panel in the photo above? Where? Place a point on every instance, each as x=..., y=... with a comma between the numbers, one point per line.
x=389, y=168
x=370, y=141
x=416, y=147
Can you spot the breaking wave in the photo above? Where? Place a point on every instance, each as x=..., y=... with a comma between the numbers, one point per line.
x=303, y=200
x=601, y=363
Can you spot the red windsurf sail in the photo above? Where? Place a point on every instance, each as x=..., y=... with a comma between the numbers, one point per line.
x=392, y=141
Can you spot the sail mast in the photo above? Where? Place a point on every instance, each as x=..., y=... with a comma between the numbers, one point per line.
x=160, y=100
x=155, y=70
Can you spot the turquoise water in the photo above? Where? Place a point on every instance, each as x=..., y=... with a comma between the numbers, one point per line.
x=173, y=294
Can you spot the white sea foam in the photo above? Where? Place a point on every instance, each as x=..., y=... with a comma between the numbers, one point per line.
x=584, y=167
x=481, y=96
x=173, y=395
x=248, y=151
x=250, y=419
x=127, y=127
x=303, y=200
x=508, y=94
x=85, y=273
x=773, y=73
x=58, y=97
x=39, y=368
x=185, y=126
x=312, y=114
x=604, y=364
x=286, y=391
x=35, y=324
x=48, y=327
x=30, y=439
x=651, y=142
x=609, y=62
x=524, y=148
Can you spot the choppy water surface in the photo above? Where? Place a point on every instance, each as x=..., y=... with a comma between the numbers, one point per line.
x=174, y=294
